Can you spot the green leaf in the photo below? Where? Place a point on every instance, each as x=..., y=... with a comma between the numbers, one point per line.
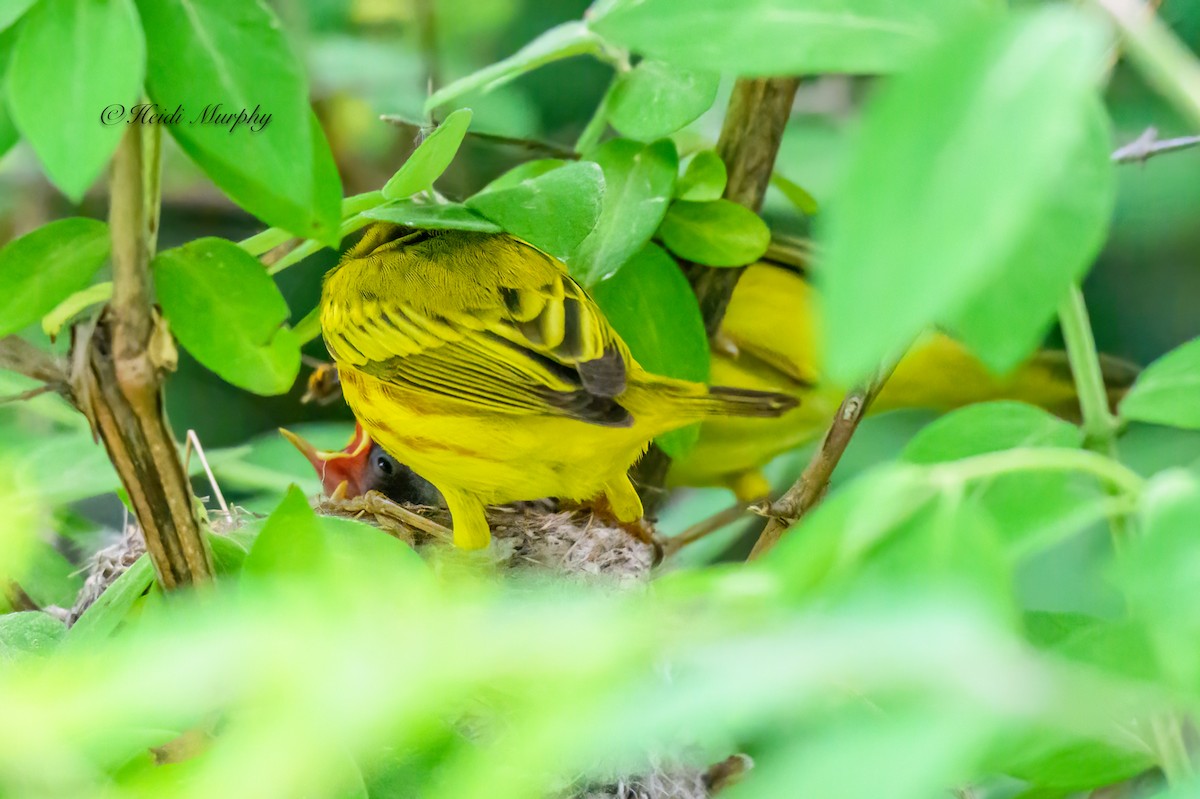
x=12, y=10
x=780, y=37
x=29, y=633
x=638, y=183
x=291, y=542
x=430, y=159
x=651, y=305
x=554, y=211
x=1006, y=321
x=42, y=268
x=796, y=194
x=717, y=233
x=104, y=615
x=989, y=427
x=526, y=171
x=1032, y=509
x=9, y=135
x=937, y=204
x=78, y=57
x=655, y=99
x=704, y=178
x=563, y=41
x=440, y=216
x=1168, y=390
x=228, y=555
x=205, y=53
x=228, y=313
x=49, y=578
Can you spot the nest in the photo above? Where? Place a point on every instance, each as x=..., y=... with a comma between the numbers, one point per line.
x=530, y=536
x=534, y=537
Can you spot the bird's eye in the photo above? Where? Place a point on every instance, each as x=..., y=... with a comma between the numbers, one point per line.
x=384, y=464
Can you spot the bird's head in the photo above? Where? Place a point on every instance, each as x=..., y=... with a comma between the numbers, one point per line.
x=363, y=466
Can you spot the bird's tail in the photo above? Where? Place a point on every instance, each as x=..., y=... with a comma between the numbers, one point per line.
x=697, y=401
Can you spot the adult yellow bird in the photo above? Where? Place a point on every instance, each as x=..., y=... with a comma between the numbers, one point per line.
x=477, y=361
x=769, y=341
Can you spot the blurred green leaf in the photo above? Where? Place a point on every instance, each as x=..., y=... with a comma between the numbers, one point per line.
x=638, y=183
x=214, y=58
x=717, y=233
x=562, y=41
x=1160, y=567
x=554, y=211
x=651, y=305
x=1007, y=320
x=290, y=544
x=655, y=99
x=49, y=578
x=439, y=216
x=1032, y=509
x=779, y=37
x=1013, y=103
x=40, y=269
x=12, y=11
x=80, y=58
x=228, y=313
x=704, y=178
x=1167, y=391
x=9, y=135
x=430, y=159
x=796, y=194
x=28, y=633
x=228, y=554
x=990, y=427
x=104, y=615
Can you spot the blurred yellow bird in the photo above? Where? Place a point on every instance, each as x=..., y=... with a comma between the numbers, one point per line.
x=477, y=361
x=769, y=341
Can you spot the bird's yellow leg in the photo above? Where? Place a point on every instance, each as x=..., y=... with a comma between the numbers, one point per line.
x=749, y=486
x=471, y=529
x=623, y=500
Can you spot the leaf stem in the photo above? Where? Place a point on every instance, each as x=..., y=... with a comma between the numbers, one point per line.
x=597, y=124
x=1035, y=459
x=1099, y=424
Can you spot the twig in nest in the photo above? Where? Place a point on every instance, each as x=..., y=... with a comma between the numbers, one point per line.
x=1149, y=145
x=703, y=528
x=808, y=490
x=18, y=355
x=193, y=441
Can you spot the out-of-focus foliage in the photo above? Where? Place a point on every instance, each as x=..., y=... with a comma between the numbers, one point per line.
x=987, y=601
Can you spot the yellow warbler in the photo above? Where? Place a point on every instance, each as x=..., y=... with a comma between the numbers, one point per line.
x=768, y=341
x=477, y=361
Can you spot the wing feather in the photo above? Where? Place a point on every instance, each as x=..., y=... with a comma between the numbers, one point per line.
x=513, y=332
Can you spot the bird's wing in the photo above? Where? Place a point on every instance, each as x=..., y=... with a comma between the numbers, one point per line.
x=537, y=349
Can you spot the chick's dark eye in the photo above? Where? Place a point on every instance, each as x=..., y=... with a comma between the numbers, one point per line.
x=384, y=464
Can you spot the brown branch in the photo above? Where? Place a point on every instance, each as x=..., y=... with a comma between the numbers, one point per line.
x=17, y=598
x=704, y=528
x=18, y=355
x=754, y=124
x=119, y=371
x=807, y=491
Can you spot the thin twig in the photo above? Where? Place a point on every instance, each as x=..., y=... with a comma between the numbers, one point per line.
x=193, y=442
x=1149, y=145
x=535, y=145
x=704, y=528
x=27, y=395
x=807, y=491
x=18, y=355
x=17, y=597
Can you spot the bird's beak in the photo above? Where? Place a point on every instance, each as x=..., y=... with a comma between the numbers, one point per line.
x=337, y=467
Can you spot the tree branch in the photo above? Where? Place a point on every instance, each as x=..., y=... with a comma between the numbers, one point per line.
x=1148, y=145
x=754, y=124
x=119, y=368
x=808, y=490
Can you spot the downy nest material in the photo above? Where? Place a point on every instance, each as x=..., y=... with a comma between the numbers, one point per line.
x=530, y=537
